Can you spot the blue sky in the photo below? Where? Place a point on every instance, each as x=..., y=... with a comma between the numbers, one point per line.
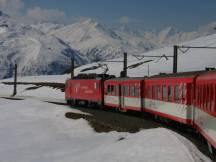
x=151, y=14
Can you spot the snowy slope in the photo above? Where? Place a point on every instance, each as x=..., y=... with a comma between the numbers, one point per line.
x=35, y=131
x=194, y=59
x=34, y=51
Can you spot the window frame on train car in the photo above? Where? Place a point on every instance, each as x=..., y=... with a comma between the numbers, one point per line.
x=153, y=92
x=117, y=90
x=215, y=99
x=132, y=90
x=170, y=93
x=137, y=91
x=198, y=94
x=122, y=90
x=177, y=94
x=209, y=97
x=112, y=90
x=149, y=91
x=107, y=89
x=202, y=97
x=184, y=92
x=158, y=92
x=127, y=90
x=164, y=92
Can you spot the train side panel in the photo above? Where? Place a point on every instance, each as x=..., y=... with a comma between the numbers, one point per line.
x=85, y=90
x=124, y=94
x=205, y=106
x=169, y=98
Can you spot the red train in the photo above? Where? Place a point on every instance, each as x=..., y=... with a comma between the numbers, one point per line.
x=188, y=98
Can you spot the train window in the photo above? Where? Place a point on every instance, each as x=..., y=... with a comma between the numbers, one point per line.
x=117, y=90
x=198, y=95
x=137, y=91
x=158, y=92
x=122, y=91
x=211, y=102
x=164, y=92
x=202, y=96
x=177, y=93
x=108, y=88
x=183, y=91
x=126, y=90
x=169, y=93
x=132, y=91
x=209, y=97
x=148, y=91
x=112, y=89
x=153, y=91
x=205, y=97
x=214, y=94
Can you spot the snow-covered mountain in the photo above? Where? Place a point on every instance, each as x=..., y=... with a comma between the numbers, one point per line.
x=45, y=48
x=34, y=51
x=98, y=42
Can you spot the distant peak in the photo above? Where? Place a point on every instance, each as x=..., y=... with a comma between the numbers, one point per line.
x=169, y=31
x=91, y=22
x=3, y=14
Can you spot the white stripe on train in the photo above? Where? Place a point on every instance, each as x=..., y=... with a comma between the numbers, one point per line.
x=174, y=109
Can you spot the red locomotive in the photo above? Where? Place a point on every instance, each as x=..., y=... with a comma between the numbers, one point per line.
x=187, y=98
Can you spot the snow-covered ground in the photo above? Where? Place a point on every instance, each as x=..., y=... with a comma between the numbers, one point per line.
x=41, y=93
x=33, y=131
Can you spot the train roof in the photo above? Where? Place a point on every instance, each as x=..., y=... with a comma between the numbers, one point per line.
x=93, y=76
x=211, y=75
x=190, y=74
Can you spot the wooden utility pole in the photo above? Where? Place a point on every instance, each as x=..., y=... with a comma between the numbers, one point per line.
x=72, y=68
x=175, y=59
x=15, y=80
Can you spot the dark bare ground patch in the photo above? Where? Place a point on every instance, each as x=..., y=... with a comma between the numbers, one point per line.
x=12, y=98
x=106, y=121
x=33, y=88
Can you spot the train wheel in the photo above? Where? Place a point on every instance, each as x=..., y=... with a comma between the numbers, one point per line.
x=68, y=102
x=72, y=103
x=122, y=110
x=76, y=103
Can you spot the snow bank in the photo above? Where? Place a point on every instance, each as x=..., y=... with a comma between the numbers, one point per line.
x=33, y=131
x=41, y=93
x=41, y=78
